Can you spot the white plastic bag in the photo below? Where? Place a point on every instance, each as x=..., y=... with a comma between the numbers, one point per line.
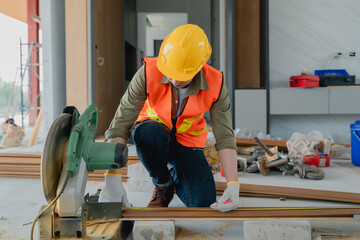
x=300, y=144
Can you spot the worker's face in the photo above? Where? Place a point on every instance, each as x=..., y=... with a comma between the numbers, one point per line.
x=179, y=84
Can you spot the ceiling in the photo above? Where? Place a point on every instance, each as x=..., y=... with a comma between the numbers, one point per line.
x=14, y=8
x=166, y=20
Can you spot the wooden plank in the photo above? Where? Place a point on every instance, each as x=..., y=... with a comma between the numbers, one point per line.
x=38, y=123
x=22, y=167
x=208, y=213
x=38, y=156
x=268, y=142
x=271, y=143
x=19, y=176
x=251, y=195
x=19, y=173
x=34, y=175
x=20, y=161
x=124, y=178
x=23, y=154
x=25, y=168
x=296, y=192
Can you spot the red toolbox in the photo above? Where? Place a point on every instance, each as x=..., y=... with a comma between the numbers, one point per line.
x=306, y=81
x=318, y=160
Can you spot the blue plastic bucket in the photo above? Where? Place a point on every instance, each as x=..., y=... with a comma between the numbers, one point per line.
x=355, y=142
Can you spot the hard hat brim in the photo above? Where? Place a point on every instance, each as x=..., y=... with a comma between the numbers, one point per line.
x=178, y=76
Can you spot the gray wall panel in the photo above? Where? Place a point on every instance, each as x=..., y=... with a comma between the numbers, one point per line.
x=250, y=109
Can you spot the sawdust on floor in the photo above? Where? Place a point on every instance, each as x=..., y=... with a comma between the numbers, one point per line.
x=216, y=234
x=329, y=233
x=352, y=236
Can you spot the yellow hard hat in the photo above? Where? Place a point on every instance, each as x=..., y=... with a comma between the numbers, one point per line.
x=183, y=52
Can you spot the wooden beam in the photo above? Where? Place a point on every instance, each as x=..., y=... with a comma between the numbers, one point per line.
x=210, y=214
x=268, y=142
x=290, y=192
x=28, y=166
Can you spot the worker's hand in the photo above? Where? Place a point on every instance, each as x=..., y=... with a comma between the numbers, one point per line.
x=230, y=199
x=113, y=190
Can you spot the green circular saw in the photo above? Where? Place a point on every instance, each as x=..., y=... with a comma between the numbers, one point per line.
x=70, y=144
x=54, y=154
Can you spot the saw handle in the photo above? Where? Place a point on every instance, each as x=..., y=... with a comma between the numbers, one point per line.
x=88, y=119
x=81, y=133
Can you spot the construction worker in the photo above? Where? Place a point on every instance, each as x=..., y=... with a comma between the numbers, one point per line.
x=163, y=109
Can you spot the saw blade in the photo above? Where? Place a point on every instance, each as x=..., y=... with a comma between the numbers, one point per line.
x=54, y=154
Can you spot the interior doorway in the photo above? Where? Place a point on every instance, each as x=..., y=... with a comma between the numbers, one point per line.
x=154, y=27
x=127, y=30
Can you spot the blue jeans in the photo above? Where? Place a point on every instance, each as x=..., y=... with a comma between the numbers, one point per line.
x=167, y=161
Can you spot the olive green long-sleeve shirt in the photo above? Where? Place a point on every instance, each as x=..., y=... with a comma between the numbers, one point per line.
x=135, y=96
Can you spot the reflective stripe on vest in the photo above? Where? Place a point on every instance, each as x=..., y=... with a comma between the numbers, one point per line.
x=151, y=114
x=191, y=128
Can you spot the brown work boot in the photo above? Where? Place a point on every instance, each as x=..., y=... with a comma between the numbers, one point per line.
x=161, y=197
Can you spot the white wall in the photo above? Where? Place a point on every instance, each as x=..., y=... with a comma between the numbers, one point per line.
x=337, y=126
x=308, y=33
x=154, y=33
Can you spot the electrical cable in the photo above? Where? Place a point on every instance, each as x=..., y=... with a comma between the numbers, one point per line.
x=333, y=56
x=67, y=178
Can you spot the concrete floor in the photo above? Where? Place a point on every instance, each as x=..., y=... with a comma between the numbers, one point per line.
x=21, y=200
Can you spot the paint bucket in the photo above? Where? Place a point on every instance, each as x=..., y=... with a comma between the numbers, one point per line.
x=355, y=142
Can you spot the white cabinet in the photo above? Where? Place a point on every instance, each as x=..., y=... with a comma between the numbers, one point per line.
x=322, y=100
x=344, y=100
x=285, y=101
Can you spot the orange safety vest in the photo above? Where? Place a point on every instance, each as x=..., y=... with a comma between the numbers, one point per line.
x=191, y=128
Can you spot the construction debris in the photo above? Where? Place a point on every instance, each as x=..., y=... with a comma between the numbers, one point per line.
x=264, y=159
x=12, y=134
x=211, y=155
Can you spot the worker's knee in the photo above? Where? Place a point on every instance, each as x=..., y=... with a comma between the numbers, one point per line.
x=150, y=132
x=193, y=197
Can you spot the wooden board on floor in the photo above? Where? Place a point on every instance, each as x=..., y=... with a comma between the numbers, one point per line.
x=14, y=165
x=241, y=213
x=292, y=192
x=246, y=142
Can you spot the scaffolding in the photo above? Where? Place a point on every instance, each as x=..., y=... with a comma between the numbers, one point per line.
x=19, y=86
